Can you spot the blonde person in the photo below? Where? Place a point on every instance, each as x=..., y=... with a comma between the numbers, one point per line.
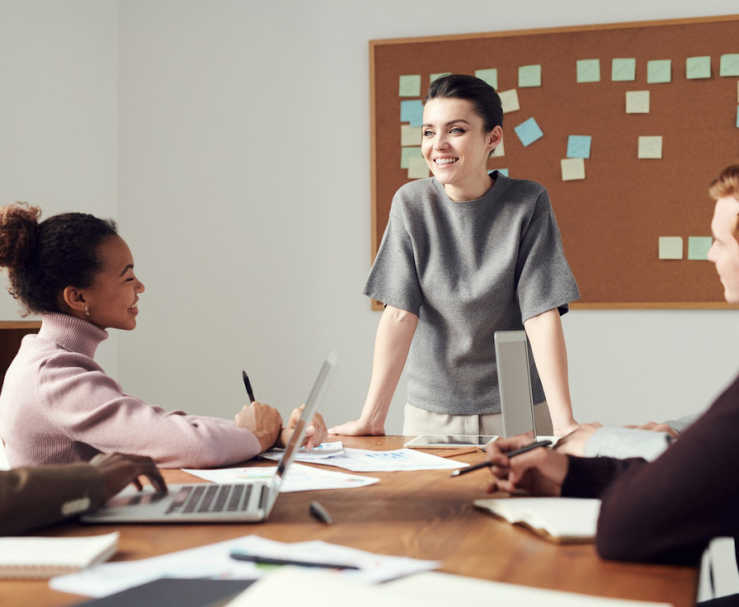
x=57, y=404
x=466, y=253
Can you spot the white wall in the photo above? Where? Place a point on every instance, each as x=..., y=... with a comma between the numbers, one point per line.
x=58, y=114
x=234, y=136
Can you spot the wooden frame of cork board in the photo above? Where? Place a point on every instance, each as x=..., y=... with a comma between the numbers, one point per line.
x=614, y=220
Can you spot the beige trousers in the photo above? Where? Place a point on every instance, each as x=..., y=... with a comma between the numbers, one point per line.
x=419, y=421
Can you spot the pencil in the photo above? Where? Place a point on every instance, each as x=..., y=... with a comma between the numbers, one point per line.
x=487, y=464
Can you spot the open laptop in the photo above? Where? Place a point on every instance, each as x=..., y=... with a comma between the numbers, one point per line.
x=250, y=501
x=514, y=383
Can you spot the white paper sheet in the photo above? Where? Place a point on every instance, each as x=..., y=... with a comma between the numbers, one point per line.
x=365, y=460
x=299, y=478
x=310, y=456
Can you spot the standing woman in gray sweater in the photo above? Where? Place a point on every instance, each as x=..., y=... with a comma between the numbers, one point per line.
x=466, y=253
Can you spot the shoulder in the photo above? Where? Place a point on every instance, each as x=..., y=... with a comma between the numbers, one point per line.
x=522, y=190
x=415, y=195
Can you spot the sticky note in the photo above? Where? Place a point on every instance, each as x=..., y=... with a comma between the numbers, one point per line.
x=650, y=147
x=659, y=71
x=417, y=168
x=410, y=135
x=499, y=150
x=406, y=154
x=509, y=101
x=637, y=102
x=572, y=168
x=529, y=75
x=737, y=116
x=578, y=146
x=697, y=67
x=528, y=132
x=412, y=111
x=489, y=75
x=623, y=70
x=409, y=85
x=588, y=70
x=698, y=247
x=729, y=65
x=737, y=91
x=433, y=77
x=503, y=171
x=670, y=247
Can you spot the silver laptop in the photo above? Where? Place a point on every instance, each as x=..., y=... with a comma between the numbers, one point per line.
x=514, y=382
x=250, y=501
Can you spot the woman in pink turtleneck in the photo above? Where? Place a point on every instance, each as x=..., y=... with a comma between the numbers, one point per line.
x=57, y=404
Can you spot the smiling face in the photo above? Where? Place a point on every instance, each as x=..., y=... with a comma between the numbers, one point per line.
x=724, y=252
x=111, y=299
x=456, y=146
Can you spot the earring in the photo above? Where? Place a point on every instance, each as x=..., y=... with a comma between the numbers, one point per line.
x=87, y=311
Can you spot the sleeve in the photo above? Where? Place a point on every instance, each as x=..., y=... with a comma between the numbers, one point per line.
x=393, y=279
x=620, y=442
x=681, y=423
x=33, y=497
x=544, y=280
x=668, y=511
x=90, y=407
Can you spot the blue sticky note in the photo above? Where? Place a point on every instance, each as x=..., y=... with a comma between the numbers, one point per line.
x=729, y=65
x=503, y=171
x=588, y=70
x=412, y=111
x=698, y=247
x=528, y=132
x=659, y=71
x=623, y=69
x=578, y=146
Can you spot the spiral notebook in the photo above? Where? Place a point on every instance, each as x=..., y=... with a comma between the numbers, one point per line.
x=41, y=557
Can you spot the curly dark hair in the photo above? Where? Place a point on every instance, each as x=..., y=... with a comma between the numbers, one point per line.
x=44, y=258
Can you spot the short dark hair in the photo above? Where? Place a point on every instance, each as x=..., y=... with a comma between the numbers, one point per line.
x=480, y=93
x=44, y=258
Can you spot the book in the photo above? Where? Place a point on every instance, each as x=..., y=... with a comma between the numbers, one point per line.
x=41, y=557
x=558, y=519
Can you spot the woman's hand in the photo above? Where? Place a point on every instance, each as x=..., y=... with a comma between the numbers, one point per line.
x=539, y=472
x=262, y=421
x=574, y=442
x=358, y=427
x=314, y=435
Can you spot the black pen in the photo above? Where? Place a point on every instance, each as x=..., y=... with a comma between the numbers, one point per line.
x=510, y=454
x=319, y=512
x=247, y=385
x=242, y=555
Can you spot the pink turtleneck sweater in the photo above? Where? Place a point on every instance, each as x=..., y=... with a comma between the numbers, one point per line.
x=58, y=406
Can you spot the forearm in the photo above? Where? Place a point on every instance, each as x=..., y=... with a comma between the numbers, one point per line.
x=392, y=342
x=550, y=355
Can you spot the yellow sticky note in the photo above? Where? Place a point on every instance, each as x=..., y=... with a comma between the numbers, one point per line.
x=509, y=101
x=572, y=168
x=410, y=135
x=670, y=247
x=637, y=102
x=499, y=151
x=650, y=147
x=417, y=168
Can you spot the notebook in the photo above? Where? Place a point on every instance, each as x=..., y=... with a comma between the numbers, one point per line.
x=41, y=557
x=248, y=501
x=558, y=519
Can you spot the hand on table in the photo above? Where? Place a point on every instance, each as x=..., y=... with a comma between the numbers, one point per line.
x=262, y=421
x=119, y=469
x=655, y=427
x=574, y=442
x=539, y=472
x=314, y=435
x=358, y=427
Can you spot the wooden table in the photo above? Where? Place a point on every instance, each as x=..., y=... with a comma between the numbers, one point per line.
x=425, y=515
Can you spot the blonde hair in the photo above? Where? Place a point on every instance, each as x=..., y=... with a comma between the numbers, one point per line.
x=727, y=184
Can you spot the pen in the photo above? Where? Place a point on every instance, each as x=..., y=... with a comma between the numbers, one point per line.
x=241, y=555
x=247, y=385
x=486, y=464
x=318, y=512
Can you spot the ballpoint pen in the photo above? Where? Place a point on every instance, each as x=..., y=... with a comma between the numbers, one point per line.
x=247, y=385
x=488, y=464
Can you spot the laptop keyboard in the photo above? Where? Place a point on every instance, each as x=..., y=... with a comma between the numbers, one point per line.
x=215, y=498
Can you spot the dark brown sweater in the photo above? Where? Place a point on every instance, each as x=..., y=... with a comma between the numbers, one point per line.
x=668, y=510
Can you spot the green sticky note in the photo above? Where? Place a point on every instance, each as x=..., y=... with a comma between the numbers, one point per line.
x=698, y=247
x=729, y=65
x=529, y=75
x=489, y=75
x=623, y=70
x=407, y=153
x=409, y=85
x=659, y=71
x=670, y=247
x=433, y=77
x=697, y=67
x=588, y=70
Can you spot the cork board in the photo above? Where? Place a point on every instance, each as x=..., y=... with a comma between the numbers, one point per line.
x=612, y=220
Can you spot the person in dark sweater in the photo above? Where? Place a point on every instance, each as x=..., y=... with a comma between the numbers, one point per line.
x=666, y=511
